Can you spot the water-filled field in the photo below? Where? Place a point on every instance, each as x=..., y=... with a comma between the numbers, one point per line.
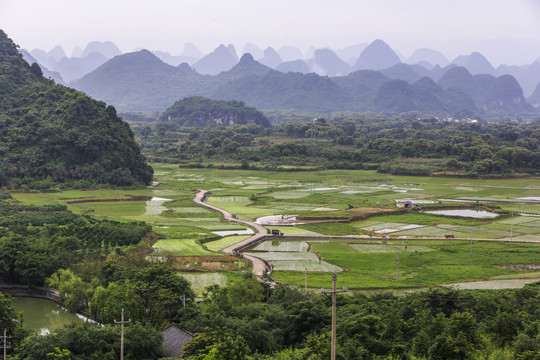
x=365, y=201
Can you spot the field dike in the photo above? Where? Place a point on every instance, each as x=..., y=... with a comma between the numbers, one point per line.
x=128, y=198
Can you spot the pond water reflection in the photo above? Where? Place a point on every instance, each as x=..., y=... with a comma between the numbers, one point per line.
x=44, y=316
x=465, y=213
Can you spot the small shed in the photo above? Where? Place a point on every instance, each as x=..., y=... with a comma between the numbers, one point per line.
x=404, y=204
x=174, y=340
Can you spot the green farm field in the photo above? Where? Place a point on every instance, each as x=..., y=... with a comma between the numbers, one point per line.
x=365, y=200
x=425, y=262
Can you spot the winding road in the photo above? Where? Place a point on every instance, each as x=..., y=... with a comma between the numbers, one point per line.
x=259, y=265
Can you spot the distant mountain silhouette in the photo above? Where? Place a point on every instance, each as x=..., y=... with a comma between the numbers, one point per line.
x=76, y=52
x=476, y=63
x=46, y=72
x=361, y=82
x=139, y=81
x=277, y=90
x=106, y=48
x=191, y=51
x=254, y=50
x=299, y=66
x=431, y=56
x=75, y=68
x=173, y=60
x=402, y=72
x=534, y=99
x=460, y=78
x=326, y=62
x=437, y=72
x=43, y=58
x=376, y=56
x=505, y=94
x=423, y=95
x=350, y=54
x=527, y=76
x=489, y=93
x=57, y=53
x=290, y=53
x=221, y=59
x=271, y=58
x=246, y=66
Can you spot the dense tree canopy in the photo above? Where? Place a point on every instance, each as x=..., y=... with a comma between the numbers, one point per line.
x=406, y=145
x=52, y=134
x=36, y=241
x=200, y=111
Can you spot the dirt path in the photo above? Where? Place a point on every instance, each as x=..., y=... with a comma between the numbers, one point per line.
x=259, y=265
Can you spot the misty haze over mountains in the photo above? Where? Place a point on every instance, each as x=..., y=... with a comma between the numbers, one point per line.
x=101, y=70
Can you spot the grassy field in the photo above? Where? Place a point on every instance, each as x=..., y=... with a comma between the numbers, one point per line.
x=199, y=281
x=326, y=195
x=424, y=263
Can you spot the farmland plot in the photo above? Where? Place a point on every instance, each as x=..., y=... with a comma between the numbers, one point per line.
x=217, y=245
x=200, y=281
x=296, y=261
x=382, y=248
x=287, y=246
x=181, y=247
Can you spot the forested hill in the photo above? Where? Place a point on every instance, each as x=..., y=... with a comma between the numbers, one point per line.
x=50, y=133
x=201, y=111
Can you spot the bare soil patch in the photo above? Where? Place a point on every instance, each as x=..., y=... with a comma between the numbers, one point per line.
x=520, y=267
x=208, y=263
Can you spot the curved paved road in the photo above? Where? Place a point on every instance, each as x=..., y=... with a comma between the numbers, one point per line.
x=259, y=265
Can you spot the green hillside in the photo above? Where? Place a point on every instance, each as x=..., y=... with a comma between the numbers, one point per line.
x=53, y=134
x=201, y=111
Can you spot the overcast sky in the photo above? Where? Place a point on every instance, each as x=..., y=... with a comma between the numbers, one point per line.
x=453, y=27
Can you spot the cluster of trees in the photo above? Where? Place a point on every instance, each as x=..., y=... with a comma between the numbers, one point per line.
x=53, y=134
x=36, y=241
x=83, y=341
x=201, y=111
x=436, y=324
x=250, y=320
x=166, y=142
x=405, y=145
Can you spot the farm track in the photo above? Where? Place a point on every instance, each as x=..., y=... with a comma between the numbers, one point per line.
x=260, y=266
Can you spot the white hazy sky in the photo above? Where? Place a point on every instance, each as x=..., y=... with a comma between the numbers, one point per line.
x=453, y=27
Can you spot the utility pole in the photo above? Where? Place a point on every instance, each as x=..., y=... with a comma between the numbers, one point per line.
x=470, y=253
x=512, y=227
x=397, y=265
x=305, y=280
x=5, y=345
x=184, y=298
x=122, y=322
x=334, y=311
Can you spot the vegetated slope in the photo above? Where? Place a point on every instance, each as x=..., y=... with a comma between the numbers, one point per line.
x=139, y=81
x=50, y=133
x=423, y=95
x=376, y=56
x=277, y=90
x=142, y=82
x=496, y=95
x=202, y=111
x=535, y=97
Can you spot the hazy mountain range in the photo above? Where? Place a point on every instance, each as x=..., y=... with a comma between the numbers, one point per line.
x=152, y=81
